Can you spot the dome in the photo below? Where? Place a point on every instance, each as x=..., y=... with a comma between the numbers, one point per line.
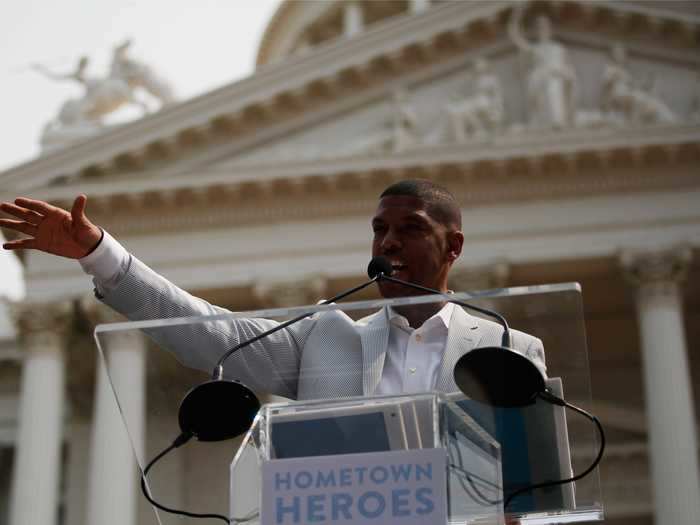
x=297, y=26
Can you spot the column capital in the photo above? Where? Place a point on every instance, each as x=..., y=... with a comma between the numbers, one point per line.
x=651, y=267
x=42, y=324
x=290, y=293
x=482, y=277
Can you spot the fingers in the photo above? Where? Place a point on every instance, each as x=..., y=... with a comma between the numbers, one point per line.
x=78, y=210
x=20, y=226
x=35, y=205
x=21, y=244
x=30, y=216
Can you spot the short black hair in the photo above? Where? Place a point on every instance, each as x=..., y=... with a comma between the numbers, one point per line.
x=440, y=204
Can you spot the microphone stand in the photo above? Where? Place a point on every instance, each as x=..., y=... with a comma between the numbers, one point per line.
x=200, y=410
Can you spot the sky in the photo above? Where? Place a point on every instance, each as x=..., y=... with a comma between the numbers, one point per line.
x=195, y=45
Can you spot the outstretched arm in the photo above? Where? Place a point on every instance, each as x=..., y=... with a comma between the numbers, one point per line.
x=515, y=30
x=51, y=229
x=51, y=75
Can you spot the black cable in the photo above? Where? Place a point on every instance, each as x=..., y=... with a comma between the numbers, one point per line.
x=179, y=441
x=459, y=467
x=551, y=398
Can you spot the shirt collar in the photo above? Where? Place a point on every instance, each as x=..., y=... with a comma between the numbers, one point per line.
x=442, y=317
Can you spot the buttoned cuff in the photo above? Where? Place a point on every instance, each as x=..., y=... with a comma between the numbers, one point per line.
x=107, y=261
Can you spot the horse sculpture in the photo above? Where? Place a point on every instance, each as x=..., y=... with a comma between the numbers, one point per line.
x=138, y=75
x=103, y=95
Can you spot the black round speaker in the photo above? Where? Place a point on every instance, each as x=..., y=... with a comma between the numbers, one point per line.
x=218, y=410
x=498, y=376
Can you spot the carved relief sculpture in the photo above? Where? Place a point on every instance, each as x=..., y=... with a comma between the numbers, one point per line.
x=551, y=80
x=481, y=113
x=695, y=105
x=625, y=100
x=403, y=122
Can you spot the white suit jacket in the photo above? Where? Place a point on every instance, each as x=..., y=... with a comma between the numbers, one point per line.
x=327, y=355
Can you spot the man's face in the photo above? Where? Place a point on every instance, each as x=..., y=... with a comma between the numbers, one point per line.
x=420, y=249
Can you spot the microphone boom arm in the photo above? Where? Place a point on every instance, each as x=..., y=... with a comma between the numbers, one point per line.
x=219, y=369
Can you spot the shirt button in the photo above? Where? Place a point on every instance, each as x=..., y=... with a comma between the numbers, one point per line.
x=412, y=370
x=419, y=338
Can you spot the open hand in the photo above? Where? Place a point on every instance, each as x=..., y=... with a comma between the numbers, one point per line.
x=51, y=229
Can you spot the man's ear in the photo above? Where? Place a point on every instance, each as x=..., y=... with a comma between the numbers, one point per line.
x=455, y=241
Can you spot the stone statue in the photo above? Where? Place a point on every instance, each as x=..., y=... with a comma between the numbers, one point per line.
x=481, y=112
x=551, y=81
x=81, y=117
x=101, y=96
x=138, y=75
x=403, y=122
x=626, y=100
x=695, y=104
x=78, y=75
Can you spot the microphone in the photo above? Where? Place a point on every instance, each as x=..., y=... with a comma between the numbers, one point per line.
x=497, y=375
x=222, y=409
x=379, y=265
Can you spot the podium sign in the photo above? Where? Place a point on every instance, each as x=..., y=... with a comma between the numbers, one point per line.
x=308, y=363
x=405, y=487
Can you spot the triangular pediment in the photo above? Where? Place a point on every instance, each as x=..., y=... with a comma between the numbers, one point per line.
x=401, y=89
x=452, y=104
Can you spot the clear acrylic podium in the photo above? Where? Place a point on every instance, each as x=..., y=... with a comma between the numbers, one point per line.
x=487, y=452
x=465, y=477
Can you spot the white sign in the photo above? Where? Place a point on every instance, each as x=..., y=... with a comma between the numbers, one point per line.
x=405, y=487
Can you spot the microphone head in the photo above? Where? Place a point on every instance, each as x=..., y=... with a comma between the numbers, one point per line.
x=379, y=265
x=217, y=410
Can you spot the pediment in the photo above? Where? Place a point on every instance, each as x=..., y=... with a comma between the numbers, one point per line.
x=341, y=101
x=454, y=104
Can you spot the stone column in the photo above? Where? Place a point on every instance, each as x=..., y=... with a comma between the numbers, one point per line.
x=113, y=477
x=35, y=480
x=672, y=431
x=353, y=20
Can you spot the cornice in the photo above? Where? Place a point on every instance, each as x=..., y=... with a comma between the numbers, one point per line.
x=325, y=74
x=336, y=189
x=555, y=153
x=294, y=76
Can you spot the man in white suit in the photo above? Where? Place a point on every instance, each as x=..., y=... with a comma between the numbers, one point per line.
x=417, y=227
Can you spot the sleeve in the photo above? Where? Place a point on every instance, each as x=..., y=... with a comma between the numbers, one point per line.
x=531, y=347
x=270, y=365
x=107, y=264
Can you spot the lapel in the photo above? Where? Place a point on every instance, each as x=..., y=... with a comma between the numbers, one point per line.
x=464, y=335
x=375, y=338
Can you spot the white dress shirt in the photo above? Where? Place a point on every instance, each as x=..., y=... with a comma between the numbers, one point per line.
x=413, y=356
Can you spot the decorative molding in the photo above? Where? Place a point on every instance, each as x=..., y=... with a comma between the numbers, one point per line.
x=272, y=294
x=575, y=151
x=482, y=277
x=656, y=267
x=42, y=326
